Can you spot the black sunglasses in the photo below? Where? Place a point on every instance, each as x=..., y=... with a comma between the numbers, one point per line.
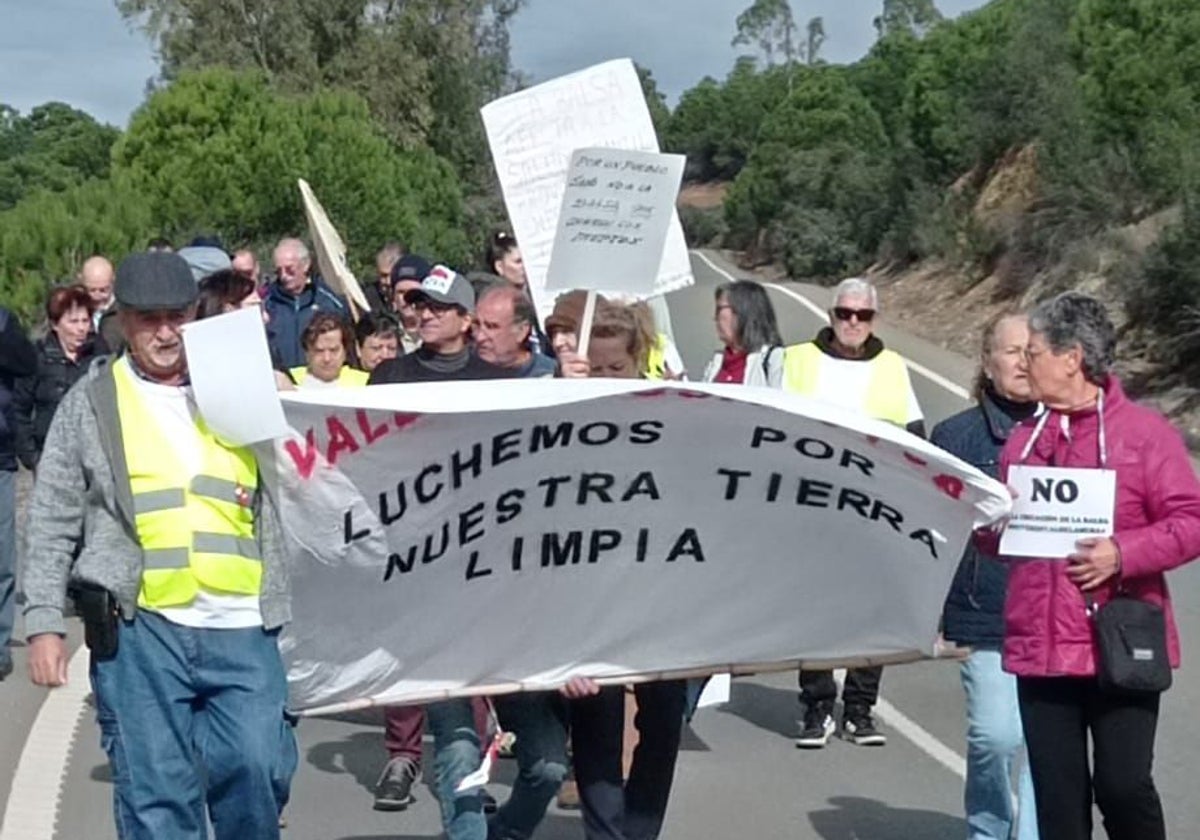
x=845, y=313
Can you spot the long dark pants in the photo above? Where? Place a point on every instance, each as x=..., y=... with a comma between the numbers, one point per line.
x=817, y=688
x=634, y=809
x=1058, y=713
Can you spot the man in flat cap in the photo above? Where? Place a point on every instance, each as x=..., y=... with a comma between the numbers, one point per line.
x=174, y=556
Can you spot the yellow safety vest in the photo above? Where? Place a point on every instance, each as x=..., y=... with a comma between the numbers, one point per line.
x=886, y=397
x=656, y=359
x=195, y=530
x=348, y=377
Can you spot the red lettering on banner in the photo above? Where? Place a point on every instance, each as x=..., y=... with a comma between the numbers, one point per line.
x=340, y=440
x=871, y=439
x=951, y=485
x=913, y=459
x=654, y=392
x=305, y=461
x=370, y=433
x=402, y=420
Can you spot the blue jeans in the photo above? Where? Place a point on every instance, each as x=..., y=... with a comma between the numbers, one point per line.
x=540, y=723
x=8, y=559
x=193, y=720
x=994, y=743
x=456, y=755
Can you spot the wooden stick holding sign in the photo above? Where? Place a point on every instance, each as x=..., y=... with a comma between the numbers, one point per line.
x=585, y=324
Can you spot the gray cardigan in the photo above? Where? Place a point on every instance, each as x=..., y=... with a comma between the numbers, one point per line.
x=80, y=523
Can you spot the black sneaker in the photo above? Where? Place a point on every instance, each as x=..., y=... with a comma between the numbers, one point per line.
x=393, y=792
x=858, y=726
x=817, y=728
x=490, y=805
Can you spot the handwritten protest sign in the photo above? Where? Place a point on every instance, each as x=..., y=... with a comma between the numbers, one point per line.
x=532, y=135
x=607, y=528
x=1055, y=506
x=616, y=211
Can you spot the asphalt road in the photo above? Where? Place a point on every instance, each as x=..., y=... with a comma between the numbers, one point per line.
x=739, y=774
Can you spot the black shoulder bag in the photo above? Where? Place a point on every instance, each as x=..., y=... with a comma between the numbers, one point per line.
x=1131, y=646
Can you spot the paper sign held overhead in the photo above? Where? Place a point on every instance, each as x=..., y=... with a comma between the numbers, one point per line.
x=616, y=212
x=532, y=135
x=1056, y=506
x=230, y=368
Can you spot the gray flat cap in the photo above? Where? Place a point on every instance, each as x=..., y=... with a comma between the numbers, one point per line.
x=203, y=260
x=155, y=280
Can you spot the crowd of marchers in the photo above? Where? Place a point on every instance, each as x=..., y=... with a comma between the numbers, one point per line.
x=160, y=534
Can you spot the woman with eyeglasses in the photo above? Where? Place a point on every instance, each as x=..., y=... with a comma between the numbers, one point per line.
x=752, y=352
x=848, y=366
x=1090, y=741
x=974, y=612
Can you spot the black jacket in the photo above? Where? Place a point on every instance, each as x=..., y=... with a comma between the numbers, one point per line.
x=974, y=610
x=35, y=398
x=17, y=358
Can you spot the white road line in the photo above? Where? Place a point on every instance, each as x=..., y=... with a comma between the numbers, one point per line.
x=922, y=738
x=32, y=809
x=933, y=377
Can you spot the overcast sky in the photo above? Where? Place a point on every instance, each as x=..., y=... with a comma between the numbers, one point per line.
x=80, y=51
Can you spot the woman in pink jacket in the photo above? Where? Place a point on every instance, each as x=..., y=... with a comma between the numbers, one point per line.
x=1089, y=423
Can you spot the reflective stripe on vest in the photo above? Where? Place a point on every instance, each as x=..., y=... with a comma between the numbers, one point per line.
x=195, y=530
x=656, y=359
x=886, y=397
x=347, y=377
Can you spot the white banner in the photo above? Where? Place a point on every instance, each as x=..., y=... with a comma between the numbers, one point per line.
x=532, y=135
x=604, y=528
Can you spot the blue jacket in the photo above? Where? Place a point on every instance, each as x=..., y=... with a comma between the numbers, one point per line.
x=974, y=610
x=289, y=316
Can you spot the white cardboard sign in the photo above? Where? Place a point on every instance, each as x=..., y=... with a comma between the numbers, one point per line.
x=1054, y=507
x=616, y=212
x=532, y=135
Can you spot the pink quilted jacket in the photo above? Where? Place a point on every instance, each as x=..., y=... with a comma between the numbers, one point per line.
x=1157, y=527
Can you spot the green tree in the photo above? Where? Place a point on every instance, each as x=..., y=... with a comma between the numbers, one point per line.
x=915, y=17
x=822, y=156
x=423, y=66
x=219, y=151
x=656, y=102
x=815, y=39
x=1141, y=79
x=45, y=238
x=53, y=148
x=769, y=25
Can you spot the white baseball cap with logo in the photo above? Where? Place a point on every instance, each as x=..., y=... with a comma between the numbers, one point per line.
x=446, y=286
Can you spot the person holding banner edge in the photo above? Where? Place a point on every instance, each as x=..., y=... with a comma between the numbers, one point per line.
x=973, y=615
x=445, y=304
x=848, y=366
x=1054, y=604
x=614, y=807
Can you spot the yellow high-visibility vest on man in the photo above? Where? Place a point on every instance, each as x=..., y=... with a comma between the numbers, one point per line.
x=176, y=560
x=848, y=366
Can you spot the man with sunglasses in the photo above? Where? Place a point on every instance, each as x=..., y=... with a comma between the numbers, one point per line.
x=444, y=305
x=848, y=366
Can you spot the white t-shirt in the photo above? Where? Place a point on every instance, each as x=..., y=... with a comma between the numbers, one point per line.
x=175, y=410
x=845, y=382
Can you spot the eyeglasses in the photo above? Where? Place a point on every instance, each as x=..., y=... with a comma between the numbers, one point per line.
x=435, y=309
x=845, y=313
